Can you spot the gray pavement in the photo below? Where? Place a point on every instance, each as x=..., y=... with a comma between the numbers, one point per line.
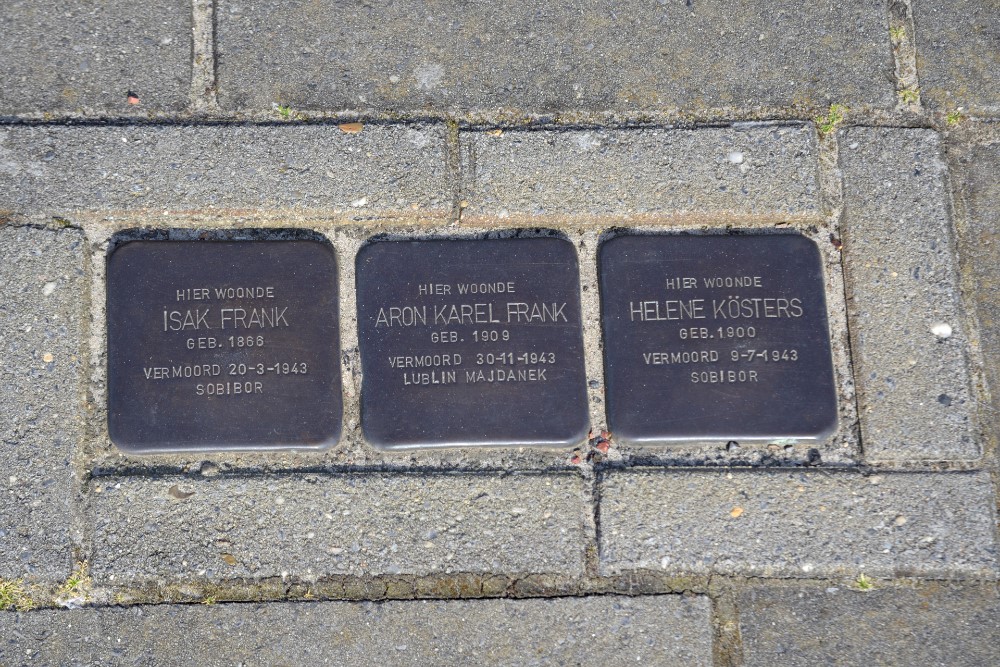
x=870, y=128
x=606, y=631
x=85, y=57
x=41, y=420
x=957, y=56
x=309, y=527
x=799, y=524
x=932, y=624
x=536, y=58
x=908, y=326
x=737, y=173
x=976, y=160
x=379, y=170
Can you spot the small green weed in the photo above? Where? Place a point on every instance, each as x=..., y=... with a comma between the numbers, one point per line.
x=863, y=583
x=833, y=118
x=14, y=596
x=77, y=586
x=898, y=33
x=284, y=111
x=910, y=94
x=953, y=118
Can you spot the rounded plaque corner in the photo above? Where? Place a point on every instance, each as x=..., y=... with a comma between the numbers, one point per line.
x=121, y=248
x=376, y=440
x=368, y=246
x=578, y=437
x=827, y=430
x=322, y=244
x=333, y=439
x=126, y=445
x=804, y=241
x=610, y=241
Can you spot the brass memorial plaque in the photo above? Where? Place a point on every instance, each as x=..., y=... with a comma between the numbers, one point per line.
x=716, y=338
x=220, y=345
x=468, y=343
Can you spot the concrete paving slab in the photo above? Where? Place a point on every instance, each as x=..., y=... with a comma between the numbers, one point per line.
x=172, y=529
x=606, y=631
x=86, y=57
x=741, y=172
x=41, y=400
x=958, y=54
x=932, y=624
x=534, y=57
x=977, y=198
x=904, y=304
x=798, y=524
x=380, y=170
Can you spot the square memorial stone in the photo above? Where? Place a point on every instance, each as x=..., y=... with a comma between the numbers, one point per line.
x=467, y=343
x=223, y=346
x=716, y=338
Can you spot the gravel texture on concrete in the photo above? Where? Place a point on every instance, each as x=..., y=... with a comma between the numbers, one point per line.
x=909, y=339
x=606, y=631
x=740, y=172
x=380, y=170
x=932, y=624
x=798, y=524
x=313, y=526
x=78, y=56
x=958, y=54
x=977, y=199
x=41, y=281
x=623, y=57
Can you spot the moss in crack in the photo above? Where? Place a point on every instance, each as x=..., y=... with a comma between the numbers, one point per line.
x=830, y=121
x=76, y=590
x=910, y=94
x=15, y=596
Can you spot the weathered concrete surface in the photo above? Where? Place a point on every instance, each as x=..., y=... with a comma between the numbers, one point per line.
x=671, y=631
x=977, y=200
x=929, y=625
x=799, y=524
x=907, y=329
x=747, y=171
x=41, y=402
x=381, y=170
x=313, y=526
x=958, y=54
x=623, y=57
x=77, y=56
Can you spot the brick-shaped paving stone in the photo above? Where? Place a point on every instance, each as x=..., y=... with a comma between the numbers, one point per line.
x=904, y=305
x=537, y=57
x=977, y=198
x=713, y=175
x=932, y=624
x=382, y=170
x=798, y=524
x=75, y=56
x=958, y=55
x=313, y=526
x=604, y=631
x=41, y=394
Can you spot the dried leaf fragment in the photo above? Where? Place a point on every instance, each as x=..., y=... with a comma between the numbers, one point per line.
x=176, y=492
